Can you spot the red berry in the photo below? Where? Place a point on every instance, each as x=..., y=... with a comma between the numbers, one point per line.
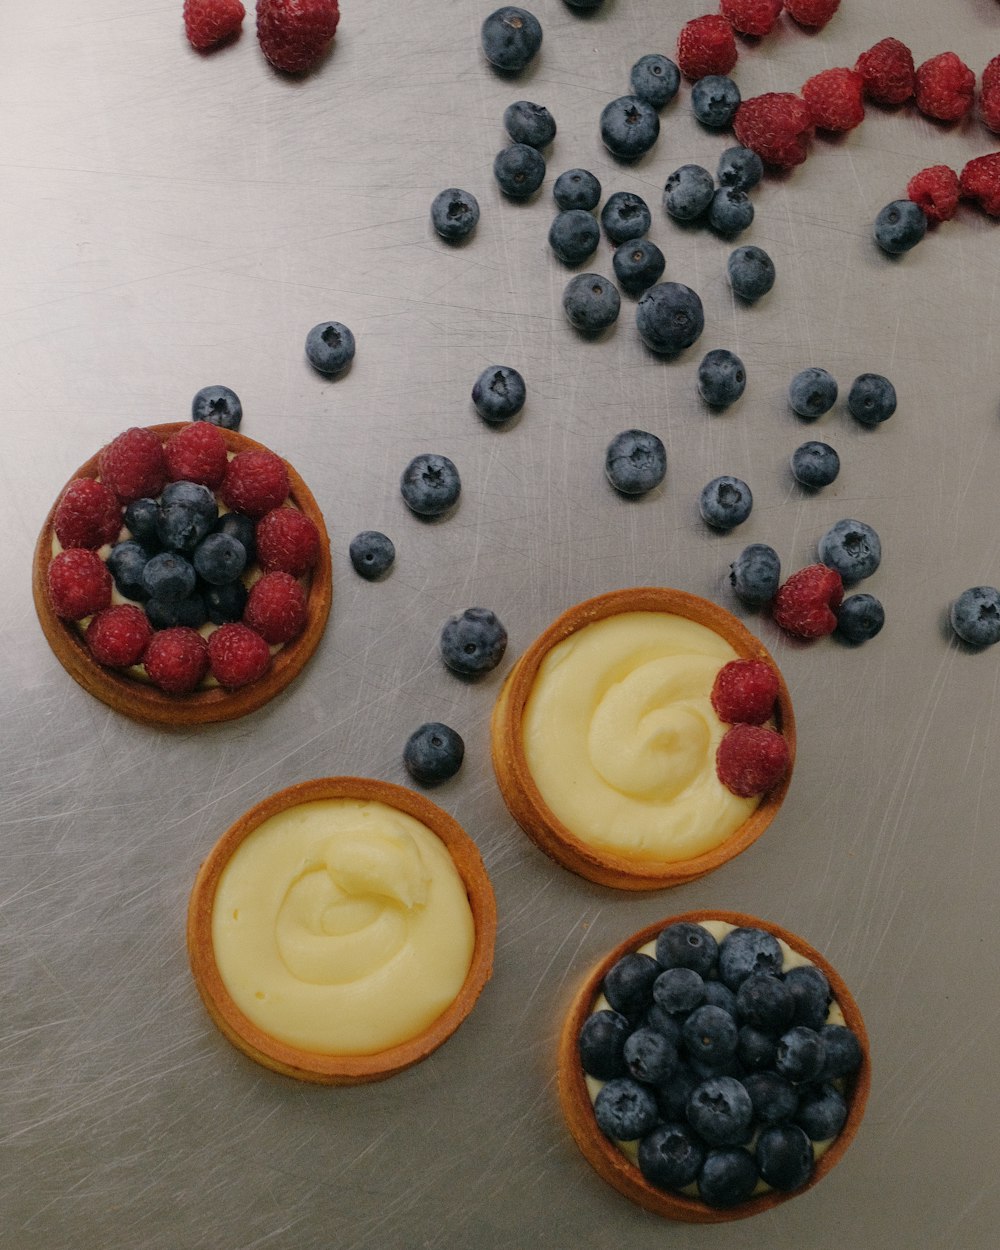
x=238, y=655
x=119, y=635
x=287, y=542
x=208, y=23
x=980, y=181
x=706, y=46
x=989, y=107
x=833, y=97
x=87, y=515
x=276, y=608
x=805, y=604
x=197, y=453
x=888, y=73
x=813, y=13
x=133, y=465
x=745, y=692
x=79, y=583
x=991, y=74
x=945, y=87
x=751, y=17
x=751, y=759
x=176, y=659
x=776, y=126
x=936, y=191
x=255, y=482
x=294, y=34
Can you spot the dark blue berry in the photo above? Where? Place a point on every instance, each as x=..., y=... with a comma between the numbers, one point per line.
x=801, y=1054
x=241, y=527
x=852, y=548
x=774, y=1098
x=625, y=216
x=433, y=753
x=629, y=127
x=812, y=392
x=660, y=1020
x=371, y=553
x=574, y=235
x=126, y=562
x=714, y=100
x=815, y=464
x=669, y=318
x=140, y=520
x=821, y=1112
x=577, y=188
x=719, y=995
x=756, y=1049
x=730, y=211
x=217, y=405
x=721, y=1112
x=330, y=347
x=747, y=950
x=187, y=513
x=225, y=603
x=635, y=462
x=602, y=1044
x=649, y=1056
x=510, y=38
x=655, y=79
x=219, y=559
x=727, y=1177
x=454, y=213
x=192, y=611
x=591, y=302
x=725, y=502
x=687, y=945
x=688, y=192
x=811, y=996
x=722, y=378
x=671, y=1156
x=678, y=990
x=499, y=392
x=672, y=1094
x=638, y=263
x=710, y=1035
x=430, y=485
x=755, y=574
x=740, y=168
x=975, y=616
x=628, y=984
x=168, y=577
x=625, y=1110
x=529, y=123
x=751, y=272
x=871, y=399
x=519, y=171
x=765, y=1002
x=843, y=1051
x=474, y=642
x=730, y=1066
x=860, y=618
x=900, y=226
x=784, y=1157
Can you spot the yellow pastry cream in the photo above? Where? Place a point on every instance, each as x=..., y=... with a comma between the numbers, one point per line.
x=620, y=737
x=342, y=926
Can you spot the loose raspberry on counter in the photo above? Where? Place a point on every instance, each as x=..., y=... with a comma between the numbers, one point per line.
x=287, y=542
x=989, y=106
x=980, y=181
x=79, y=583
x=118, y=636
x=812, y=13
x=238, y=655
x=176, y=659
x=744, y=692
x=936, y=190
x=776, y=126
x=294, y=34
x=751, y=17
x=207, y=23
x=834, y=99
x=276, y=608
x=87, y=515
x=197, y=453
x=255, y=482
x=806, y=604
x=945, y=87
x=751, y=759
x=888, y=73
x=991, y=74
x=133, y=465
x=706, y=46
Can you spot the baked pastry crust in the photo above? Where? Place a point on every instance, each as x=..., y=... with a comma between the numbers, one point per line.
x=518, y=787
x=332, y=1069
x=613, y=1166
x=144, y=702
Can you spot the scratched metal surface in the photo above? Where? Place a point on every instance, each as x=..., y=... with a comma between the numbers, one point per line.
x=170, y=221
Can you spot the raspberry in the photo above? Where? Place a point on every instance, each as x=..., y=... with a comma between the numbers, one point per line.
x=887, y=70
x=208, y=23
x=79, y=583
x=133, y=465
x=991, y=74
x=197, y=453
x=294, y=34
x=255, y=482
x=751, y=17
x=805, y=604
x=936, y=191
x=119, y=635
x=945, y=87
x=751, y=759
x=706, y=46
x=745, y=692
x=176, y=659
x=776, y=126
x=276, y=608
x=989, y=107
x=237, y=655
x=814, y=13
x=87, y=515
x=980, y=181
x=287, y=542
x=834, y=99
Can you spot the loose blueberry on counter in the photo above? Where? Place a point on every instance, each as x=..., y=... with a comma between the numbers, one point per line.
x=126, y=562
x=168, y=577
x=671, y=1156
x=638, y=263
x=219, y=559
x=372, y=554
x=474, y=642
x=722, y=378
x=720, y=1110
x=725, y=502
x=730, y=211
x=975, y=616
x=815, y=464
x=740, y=168
x=871, y=399
x=678, y=990
x=574, y=236
x=625, y=1110
x=765, y=1002
x=746, y=950
x=649, y=1056
x=655, y=79
x=811, y=995
x=217, y=405
x=628, y=984
x=821, y=1111
x=812, y=392
x=774, y=1098
x=529, y=123
x=688, y=192
x=755, y=575
x=860, y=618
x=602, y=1044
x=430, y=485
x=330, y=347
x=140, y=521
x=510, y=38
x=454, y=213
x=687, y=945
x=187, y=513
x=843, y=1051
x=191, y=612
x=669, y=318
x=714, y=100
x=433, y=753
x=900, y=226
x=801, y=1054
x=625, y=216
x=852, y=548
x=241, y=527
x=577, y=188
x=224, y=604
x=499, y=393
x=591, y=302
x=635, y=462
x=629, y=127
x=519, y=171
x=710, y=1034
x=751, y=272
x=784, y=1156
x=727, y=1177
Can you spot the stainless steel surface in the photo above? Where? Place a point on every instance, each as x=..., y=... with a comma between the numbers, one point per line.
x=170, y=220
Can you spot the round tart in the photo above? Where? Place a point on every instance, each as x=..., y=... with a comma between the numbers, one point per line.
x=605, y=721
x=138, y=698
x=341, y=930
x=620, y=1169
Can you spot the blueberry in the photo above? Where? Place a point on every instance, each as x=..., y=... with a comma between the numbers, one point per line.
x=811, y=996
x=710, y=1035
x=975, y=616
x=774, y=1098
x=628, y=984
x=801, y=1054
x=871, y=399
x=474, y=642
x=529, y=123
x=217, y=405
x=687, y=945
x=765, y=1002
x=433, y=753
x=625, y=1110
x=669, y=318
x=510, y=38
x=671, y=1156
x=140, y=521
x=591, y=302
x=454, y=213
x=519, y=171
x=784, y=1156
x=225, y=603
x=755, y=574
x=821, y=1111
x=625, y=216
x=638, y=263
x=756, y=1049
x=727, y=1177
x=126, y=562
x=649, y=1056
x=751, y=272
x=843, y=1051
x=852, y=548
x=168, y=577
x=740, y=168
x=722, y=378
x=181, y=525
x=499, y=393
x=330, y=347
x=241, y=527
x=602, y=1044
x=746, y=950
x=574, y=235
x=721, y=1112
x=371, y=553
x=192, y=612
x=635, y=462
x=629, y=127
x=719, y=995
x=678, y=990
x=577, y=188
x=219, y=559
x=672, y=1094
x=815, y=464
x=860, y=618
x=430, y=485
x=900, y=226
x=725, y=502
x=714, y=100
x=688, y=192
x=660, y=1020
x=730, y=211
x=812, y=392
x=655, y=79
x=725, y=1066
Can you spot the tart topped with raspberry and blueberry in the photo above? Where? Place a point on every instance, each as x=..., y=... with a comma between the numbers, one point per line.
x=183, y=575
